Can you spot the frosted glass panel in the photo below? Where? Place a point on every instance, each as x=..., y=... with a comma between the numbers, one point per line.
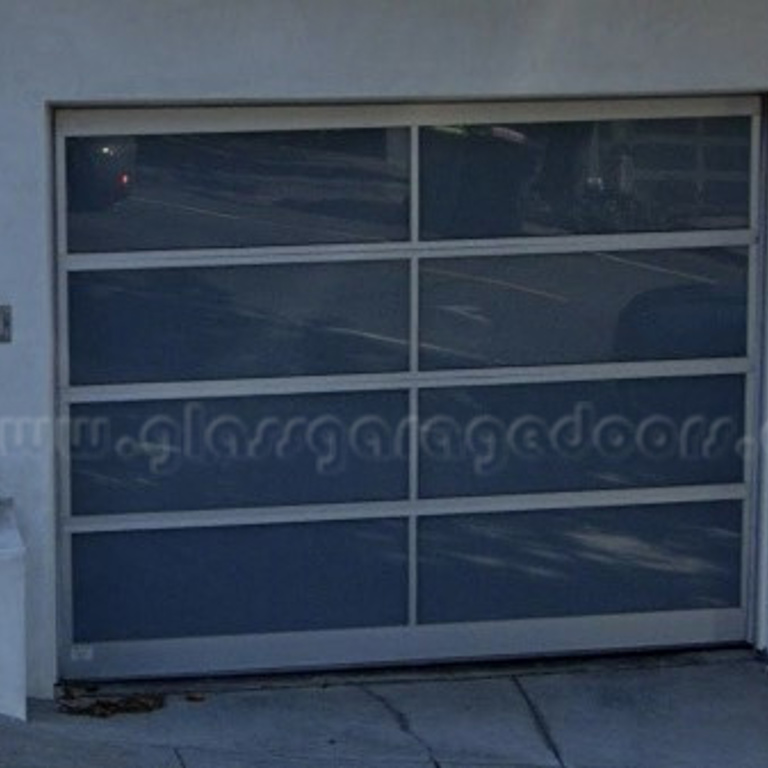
x=479, y=441
x=244, y=580
x=239, y=452
x=579, y=562
x=532, y=179
x=157, y=192
x=583, y=308
x=238, y=322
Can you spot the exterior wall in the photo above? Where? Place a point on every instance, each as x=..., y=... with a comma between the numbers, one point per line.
x=190, y=51
x=12, y=641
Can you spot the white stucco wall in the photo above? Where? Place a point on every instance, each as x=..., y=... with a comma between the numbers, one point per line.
x=12, y=626
x=176, y=51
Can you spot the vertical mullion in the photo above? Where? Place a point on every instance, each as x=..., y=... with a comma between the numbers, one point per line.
x=60, y=428
x=413, y=549
x=413, y=392
x=751, y=453
x=751, y=391
x=61, y=235
x=60, y=250
x=756, y=555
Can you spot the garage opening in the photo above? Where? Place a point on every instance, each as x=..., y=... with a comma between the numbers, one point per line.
x=391, y=384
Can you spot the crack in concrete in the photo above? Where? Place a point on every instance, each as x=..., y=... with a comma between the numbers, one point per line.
x=541, y=722
x=177, y=754
x=403, y=723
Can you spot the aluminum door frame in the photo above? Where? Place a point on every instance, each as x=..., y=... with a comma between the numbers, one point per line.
x=411, y=643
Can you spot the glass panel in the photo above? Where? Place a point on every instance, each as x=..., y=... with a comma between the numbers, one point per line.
x=579, y=562
x=584, y=177
x=583, y=308
x=136, y=193
x=478, y=441
x=239, y=452
x=228, y=581
x=238, y=322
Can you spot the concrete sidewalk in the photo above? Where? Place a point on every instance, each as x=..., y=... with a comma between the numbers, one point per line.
x=692, y=710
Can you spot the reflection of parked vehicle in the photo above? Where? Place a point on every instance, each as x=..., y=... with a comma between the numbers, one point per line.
x=100, y=171
x=683, y=321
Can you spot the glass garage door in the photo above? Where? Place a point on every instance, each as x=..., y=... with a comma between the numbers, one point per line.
x=393, y=384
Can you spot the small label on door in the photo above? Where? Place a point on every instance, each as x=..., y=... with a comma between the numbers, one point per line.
x=81, y=653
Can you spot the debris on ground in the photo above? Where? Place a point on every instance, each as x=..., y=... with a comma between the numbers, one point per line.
x=195, y=697
x=111, y=706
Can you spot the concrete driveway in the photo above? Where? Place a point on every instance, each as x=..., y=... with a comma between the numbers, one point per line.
x=687, y=710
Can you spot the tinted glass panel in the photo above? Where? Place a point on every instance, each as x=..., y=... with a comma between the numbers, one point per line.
x=581, y=308
x=237, y=189
x=238, y=322
x=478, y=441
x=591, y=177
x=230, y=581
x=579, y=563
x=238, y=452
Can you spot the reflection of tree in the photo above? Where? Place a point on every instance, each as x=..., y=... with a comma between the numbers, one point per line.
x=560, y=174
x=476, y=181
x=586, y=181
x=589, y=176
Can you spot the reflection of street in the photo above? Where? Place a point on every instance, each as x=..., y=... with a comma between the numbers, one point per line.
x=176, y=206
x=346, y=317
x=505, y=285
x=664, y=270
x=577, y=308
x=255, y=189
x=239, y=322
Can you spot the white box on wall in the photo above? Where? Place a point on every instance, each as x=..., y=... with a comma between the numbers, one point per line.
x=13, y=667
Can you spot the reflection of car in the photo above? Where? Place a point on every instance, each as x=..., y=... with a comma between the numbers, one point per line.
x=685, y=427
x=100, y=171
x=683, y=322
